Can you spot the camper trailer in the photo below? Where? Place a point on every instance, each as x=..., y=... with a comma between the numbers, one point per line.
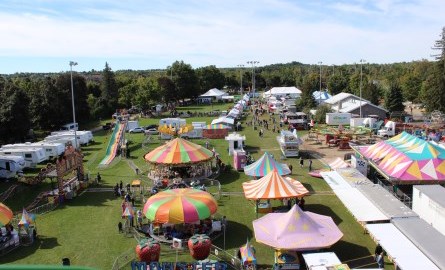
x=51, y=149
x=297, y=120
x=196, y=133
x=32, y=156
x=65, y=140
x=83, y=136
x=174, y=122
x=70, y=126
x=11, y=165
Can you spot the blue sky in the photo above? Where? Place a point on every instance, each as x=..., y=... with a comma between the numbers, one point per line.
x=44, y=35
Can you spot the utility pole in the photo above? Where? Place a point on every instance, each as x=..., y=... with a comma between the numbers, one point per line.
x=241, y=79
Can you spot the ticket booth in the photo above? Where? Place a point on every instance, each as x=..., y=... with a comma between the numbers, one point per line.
x=236, y=142
x=239, y=159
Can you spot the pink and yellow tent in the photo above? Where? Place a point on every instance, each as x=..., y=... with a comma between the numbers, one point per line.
x=407, y=158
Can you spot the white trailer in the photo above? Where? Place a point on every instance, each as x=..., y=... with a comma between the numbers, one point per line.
x=65, y=140
x=70, y=126
x=335, y=119
x=429, y=204
x=32, y=156
x=52, y=149
x=174, y=122
x=196, y=133
x=11, y=165
x=83, y=136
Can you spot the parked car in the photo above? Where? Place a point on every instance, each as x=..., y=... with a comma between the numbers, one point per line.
x=137, y=130
x=150, y=127
x=152, y=131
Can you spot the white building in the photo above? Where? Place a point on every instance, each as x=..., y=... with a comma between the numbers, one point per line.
x=349, y=103
x=429, y=204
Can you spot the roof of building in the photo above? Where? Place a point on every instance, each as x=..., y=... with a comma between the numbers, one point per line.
x=434, y=192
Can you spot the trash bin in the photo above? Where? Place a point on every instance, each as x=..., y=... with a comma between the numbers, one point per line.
x=66, y=262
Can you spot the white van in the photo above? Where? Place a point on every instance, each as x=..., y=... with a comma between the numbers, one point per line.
x=70, y=126
x=32, y=156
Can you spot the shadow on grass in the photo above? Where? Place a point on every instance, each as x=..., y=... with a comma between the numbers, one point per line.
x=323, y=210
x=252, y=149
x=42, y=242
x=96, y=199
x=236, y=235
x=228, y=176
x=354, y=255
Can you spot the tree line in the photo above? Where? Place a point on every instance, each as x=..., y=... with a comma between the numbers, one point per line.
x=43, y=101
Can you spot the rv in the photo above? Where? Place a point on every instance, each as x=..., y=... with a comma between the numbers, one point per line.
x=11, y=165
x=70, y=126
x=289, y=143
x=196, y=133
x=173, y=122
x=51, y=149
x=65, y=140
x=32, y=156
x=83, y=137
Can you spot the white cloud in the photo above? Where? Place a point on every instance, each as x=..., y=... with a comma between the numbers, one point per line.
x=226, y=33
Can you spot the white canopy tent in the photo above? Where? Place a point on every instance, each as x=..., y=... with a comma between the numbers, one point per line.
x=292, y=92
x=213, y=93
x=404, y=253
x=223, y=120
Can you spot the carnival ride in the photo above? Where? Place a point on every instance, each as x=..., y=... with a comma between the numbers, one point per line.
x=115, y=143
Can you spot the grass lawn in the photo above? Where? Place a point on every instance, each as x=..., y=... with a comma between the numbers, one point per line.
x=85, y=229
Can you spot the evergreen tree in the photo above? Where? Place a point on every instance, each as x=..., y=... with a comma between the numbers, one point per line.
x=394, y=98
x=109, y=91
x=372, y=93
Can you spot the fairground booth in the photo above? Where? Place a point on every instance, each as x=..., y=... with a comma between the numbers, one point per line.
x=216, y=131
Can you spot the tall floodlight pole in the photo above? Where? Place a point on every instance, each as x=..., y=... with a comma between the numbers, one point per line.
x=361, y=79
x=253, y=75
x=72, y=63
x=241, y=79
x=319, y=94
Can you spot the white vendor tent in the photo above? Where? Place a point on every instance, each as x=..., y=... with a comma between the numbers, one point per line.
x=356, y=202
x=292, y=92
x=405, y=254
x=223, y=120
x=429, y=240
x=214, y=94
x=320, y=259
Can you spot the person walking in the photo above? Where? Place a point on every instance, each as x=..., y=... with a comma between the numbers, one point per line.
x=310, y=165
x=301, y=162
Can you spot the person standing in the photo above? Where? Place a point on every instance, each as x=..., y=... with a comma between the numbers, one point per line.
x=310, y=165
x=301, y=162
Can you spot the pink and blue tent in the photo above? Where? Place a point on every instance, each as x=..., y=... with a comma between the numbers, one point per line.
x=265, y=165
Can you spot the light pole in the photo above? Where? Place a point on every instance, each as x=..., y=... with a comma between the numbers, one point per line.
x=319, y=94
x=361, y=79
x=72, y=63
x=253, y=76
x=241, y=78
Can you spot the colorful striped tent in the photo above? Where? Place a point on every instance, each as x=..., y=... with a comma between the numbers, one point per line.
x=216, y=126
x=406, y=158
x=273, y=186
x=180, y=205
x=5, y=215
x=265, y=165
x=247, y=253
x=26, y=219
x=178, y=151
x=296, y=230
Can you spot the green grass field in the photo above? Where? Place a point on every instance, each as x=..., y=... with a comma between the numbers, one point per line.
x=85, y=228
